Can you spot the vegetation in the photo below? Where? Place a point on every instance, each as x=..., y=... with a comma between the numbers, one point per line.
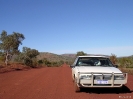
x=47, y=63
x=9, y=52
x=50, y=59
x=113, y=58
x=80, y=53
x=124, y=63
x=28, y=57
x=9, y=44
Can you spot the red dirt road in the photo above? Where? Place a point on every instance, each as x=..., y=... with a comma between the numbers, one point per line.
x=53, y=83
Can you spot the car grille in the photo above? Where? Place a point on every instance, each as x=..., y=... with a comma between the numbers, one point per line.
x=104, y=77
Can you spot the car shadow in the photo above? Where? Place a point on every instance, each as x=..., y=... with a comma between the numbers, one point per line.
x=123, y=90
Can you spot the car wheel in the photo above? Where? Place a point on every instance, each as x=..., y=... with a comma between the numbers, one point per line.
x=73, y=78
x=77, y=89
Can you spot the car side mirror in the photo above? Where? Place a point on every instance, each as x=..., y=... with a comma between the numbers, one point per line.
x=116, y=66
x=72, y=66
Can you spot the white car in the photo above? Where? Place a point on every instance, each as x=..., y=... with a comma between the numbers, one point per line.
x=96, y=71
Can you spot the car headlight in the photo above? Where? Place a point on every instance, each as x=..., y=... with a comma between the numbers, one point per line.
x=119, y=77
x=85, y=77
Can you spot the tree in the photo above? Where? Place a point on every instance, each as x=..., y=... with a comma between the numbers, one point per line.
x=31, y=53
x=28, y=56
x=113, y=58
x=9, y=44
x=81, y=53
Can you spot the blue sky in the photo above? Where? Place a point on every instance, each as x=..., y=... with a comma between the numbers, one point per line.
x=68, y=26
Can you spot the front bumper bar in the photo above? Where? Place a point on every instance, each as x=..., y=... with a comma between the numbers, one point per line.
x=93, y=82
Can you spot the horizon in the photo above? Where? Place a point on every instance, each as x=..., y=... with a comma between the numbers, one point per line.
x=87, y=54
x=58, y=26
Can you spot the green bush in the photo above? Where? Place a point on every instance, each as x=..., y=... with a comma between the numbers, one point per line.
x=40, y=62
x=34, y=63
x=125, y=62
x=81, y=53
x=28, y=57
x=28, y=62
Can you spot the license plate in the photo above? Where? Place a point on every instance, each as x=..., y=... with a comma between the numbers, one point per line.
x=102, y=81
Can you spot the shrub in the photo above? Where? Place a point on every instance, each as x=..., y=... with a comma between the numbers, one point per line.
x=28, y=57
x=125, y=62
x=113, y=58
x=40, y=62
x=80, y=53
x=28, y=62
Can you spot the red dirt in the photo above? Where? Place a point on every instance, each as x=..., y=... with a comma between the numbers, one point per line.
x=53, y=83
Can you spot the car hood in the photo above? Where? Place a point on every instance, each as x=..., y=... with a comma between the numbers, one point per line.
x=98, y=69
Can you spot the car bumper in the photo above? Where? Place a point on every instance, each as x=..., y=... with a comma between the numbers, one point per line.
x=111, y=83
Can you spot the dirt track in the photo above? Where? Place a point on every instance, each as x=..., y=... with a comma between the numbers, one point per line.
x=53, y=83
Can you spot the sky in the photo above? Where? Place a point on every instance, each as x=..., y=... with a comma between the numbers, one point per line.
x=69, y=26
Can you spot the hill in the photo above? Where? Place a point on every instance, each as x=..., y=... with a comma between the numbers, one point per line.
x=69, y=55
x=55, y=57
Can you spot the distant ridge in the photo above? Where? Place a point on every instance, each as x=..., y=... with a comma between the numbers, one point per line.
x=69, y=55
x=65, y=57
x=54, y=57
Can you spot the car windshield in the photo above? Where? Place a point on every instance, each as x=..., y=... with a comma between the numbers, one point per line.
x=94, y=61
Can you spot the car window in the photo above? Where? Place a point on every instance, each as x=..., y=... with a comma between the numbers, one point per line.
x=75, y=61
x=93, y=61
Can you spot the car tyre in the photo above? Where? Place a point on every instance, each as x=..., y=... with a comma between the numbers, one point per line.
x=73, y=79
x=77, y=89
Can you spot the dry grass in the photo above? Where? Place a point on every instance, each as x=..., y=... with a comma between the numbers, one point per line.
x=12, y=67
x=128, y=70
